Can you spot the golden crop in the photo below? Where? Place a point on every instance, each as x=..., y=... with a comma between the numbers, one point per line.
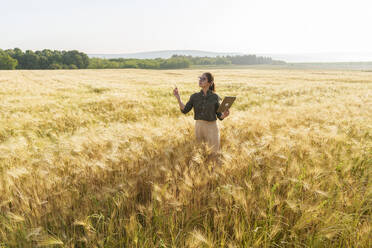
x=105, y=158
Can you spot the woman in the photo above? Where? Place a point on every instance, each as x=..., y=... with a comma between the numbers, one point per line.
x=205, y=103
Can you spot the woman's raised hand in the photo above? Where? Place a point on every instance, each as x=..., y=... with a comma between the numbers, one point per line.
x=175, y=92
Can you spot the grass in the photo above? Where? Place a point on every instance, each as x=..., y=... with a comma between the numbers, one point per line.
x=105, y=158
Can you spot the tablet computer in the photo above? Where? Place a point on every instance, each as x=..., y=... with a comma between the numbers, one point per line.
x=226, y=103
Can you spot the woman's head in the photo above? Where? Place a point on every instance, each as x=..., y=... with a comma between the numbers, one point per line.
x=207, y=79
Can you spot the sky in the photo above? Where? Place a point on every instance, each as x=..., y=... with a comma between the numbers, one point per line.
x=246, y=26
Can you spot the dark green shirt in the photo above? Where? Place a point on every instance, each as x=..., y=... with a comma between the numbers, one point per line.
x=205, y=106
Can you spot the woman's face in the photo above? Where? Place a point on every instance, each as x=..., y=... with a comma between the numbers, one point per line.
x=203, y=81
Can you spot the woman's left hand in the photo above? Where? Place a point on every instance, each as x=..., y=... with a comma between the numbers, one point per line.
x=225, y=114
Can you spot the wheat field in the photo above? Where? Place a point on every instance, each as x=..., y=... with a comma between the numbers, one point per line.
x=105, y=158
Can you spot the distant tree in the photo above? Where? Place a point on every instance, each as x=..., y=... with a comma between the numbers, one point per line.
x=55, y=57
x=130, y=64
x=30, y=60
x=55, y=66
x=72, y=66
x=7, y=62
x=175, y=63
x=74, y=57
x=16, y=54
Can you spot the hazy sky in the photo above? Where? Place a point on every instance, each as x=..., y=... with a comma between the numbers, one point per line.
x=248, y=26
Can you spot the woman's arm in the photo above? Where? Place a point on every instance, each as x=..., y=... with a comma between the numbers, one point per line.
x=184, y=108
x=175, y=93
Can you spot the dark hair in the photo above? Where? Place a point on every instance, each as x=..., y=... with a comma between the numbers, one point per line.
x=210, y=80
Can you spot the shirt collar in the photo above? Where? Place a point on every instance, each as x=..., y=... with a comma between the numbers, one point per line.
x=209, y=92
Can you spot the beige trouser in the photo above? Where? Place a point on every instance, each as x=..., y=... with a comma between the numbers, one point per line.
x=208, y=132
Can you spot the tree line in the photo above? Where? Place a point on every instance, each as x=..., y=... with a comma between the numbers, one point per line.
x=53, y=59
x=158, y=63
x=45, y=59
x=228, y=60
